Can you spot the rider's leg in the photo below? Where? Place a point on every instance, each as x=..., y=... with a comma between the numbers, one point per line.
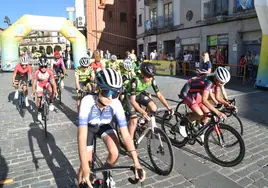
x=51, y=96
x=133, y=120
x=39, y=92
x=25, y=92
x=152, y=107
x=112, y=143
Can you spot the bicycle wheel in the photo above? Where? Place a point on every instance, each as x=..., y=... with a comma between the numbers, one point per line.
x=165, y=166
x=235, y=122
x=182, y=109
x=228, y=151
x=45, y=114
x=170, y=127
x=59, y=95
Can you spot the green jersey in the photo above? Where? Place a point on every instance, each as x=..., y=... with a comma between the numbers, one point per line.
x=83, y=74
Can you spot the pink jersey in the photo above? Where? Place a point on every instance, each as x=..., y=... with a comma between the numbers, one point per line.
x=59, y=63
x=43, y=78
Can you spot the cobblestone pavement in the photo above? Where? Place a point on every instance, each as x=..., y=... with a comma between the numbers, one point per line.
x=35, y=161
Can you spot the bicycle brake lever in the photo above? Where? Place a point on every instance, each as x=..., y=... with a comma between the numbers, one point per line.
x=134, y=180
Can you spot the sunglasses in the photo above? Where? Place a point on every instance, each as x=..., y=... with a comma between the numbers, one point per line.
x=109, y=92
x=43, y=67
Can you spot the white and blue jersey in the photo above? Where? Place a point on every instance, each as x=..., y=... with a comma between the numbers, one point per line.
x=90, y=113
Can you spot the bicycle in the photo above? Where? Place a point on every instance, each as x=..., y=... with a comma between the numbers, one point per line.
x=193, y=136
x=106, y=182
x=58, y=78
x=153, y=132
x=228, y=111
x=44, y=105
x=21, y=107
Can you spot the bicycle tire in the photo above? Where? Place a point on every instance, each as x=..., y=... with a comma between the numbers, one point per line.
x=165, y=125
x=241, y=127
x=181, y=108
x=59, y=95
x=240, y=141
x=170, y=151
x=45, y=113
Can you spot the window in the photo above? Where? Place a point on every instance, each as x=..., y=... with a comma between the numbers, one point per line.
x=110, y=14
x=153, y=17
x=168, y=14
x=140, y=20
x=123, y=17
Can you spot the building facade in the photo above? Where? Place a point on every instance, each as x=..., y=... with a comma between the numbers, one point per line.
x=226, y=29
x=111, y=25
x=47, y=41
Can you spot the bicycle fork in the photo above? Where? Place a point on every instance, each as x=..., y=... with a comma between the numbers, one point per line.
x=219, y=135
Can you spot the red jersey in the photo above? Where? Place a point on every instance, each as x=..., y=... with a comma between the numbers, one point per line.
x=95, y=65
x=23, y=71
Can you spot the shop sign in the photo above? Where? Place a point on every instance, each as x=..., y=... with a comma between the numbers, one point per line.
x=222, y=40
x=212, y=40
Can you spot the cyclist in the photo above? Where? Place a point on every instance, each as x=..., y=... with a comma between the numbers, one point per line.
x=137, y=95
x=96, y=114
x=96, y=65
x=44, y=78
x=195, y=95
x=139, y=61
x=57, y=65
x=113, y=63
x=22, y=73
x=127, y=70
x=84, y=76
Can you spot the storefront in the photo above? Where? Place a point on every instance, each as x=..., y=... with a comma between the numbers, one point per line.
x=218, y=48
x=191, y=46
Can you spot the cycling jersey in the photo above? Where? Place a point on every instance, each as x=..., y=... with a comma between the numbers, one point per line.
x=43, y=79
x=95, y=66
x=83, y=74
x=22, y=71
x=137, y=85
x=90, y=113
x=113, y=65
x=58, y=63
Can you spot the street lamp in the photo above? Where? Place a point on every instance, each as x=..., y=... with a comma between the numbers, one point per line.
x=7, y=20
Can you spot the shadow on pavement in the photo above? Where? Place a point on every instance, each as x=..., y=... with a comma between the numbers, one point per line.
x=70, y=114
x=70, y=90
x=3, y=169
x=61, y=168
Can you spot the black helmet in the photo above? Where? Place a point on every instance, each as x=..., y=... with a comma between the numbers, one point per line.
x=43, y=61
x=148, y=69
x=140, y=59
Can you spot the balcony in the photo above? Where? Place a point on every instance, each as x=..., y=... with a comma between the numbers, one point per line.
x=216, y=10
x=150, y=27
x=244, y=9
x=149, y=2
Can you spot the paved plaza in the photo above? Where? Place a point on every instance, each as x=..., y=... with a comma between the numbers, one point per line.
x=34, y=161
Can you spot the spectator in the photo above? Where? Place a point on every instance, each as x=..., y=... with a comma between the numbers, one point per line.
x=143, y=55
x=153, y=55
x=249, y=66
x=107, y=55
x=132, y=55
x=68, y=57
x=206, y=66
x=89, y=53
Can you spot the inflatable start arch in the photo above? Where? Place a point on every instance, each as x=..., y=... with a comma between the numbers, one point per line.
x=10, y=37
x=261, y=7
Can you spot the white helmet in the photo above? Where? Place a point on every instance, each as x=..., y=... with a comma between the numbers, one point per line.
x=84, y=61
x=109, y=78
x=24, y=60
x=222, y=74
x=127, y=64
x=113, y=57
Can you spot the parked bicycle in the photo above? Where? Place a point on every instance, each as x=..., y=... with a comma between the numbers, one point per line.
x=231, y=113
x=154, y=133
x=101, y=176
x=214, y=133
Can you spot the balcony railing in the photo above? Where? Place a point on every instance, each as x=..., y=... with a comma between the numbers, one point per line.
x=160, y=23
x=215, y=8
x=149, y=2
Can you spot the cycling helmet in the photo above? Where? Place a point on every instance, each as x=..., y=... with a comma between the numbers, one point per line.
x=148, y=69
x=140, y=59
x=113, y=57
x=24, y=60
x=109, y=78
x=57, y=55
x=84, y=62
x=222, y=74
x=43, y=62
x=127, y=64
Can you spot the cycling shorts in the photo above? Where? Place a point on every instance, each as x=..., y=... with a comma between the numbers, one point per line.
x=100, y=132
x=194, y=102
x=23, y=79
